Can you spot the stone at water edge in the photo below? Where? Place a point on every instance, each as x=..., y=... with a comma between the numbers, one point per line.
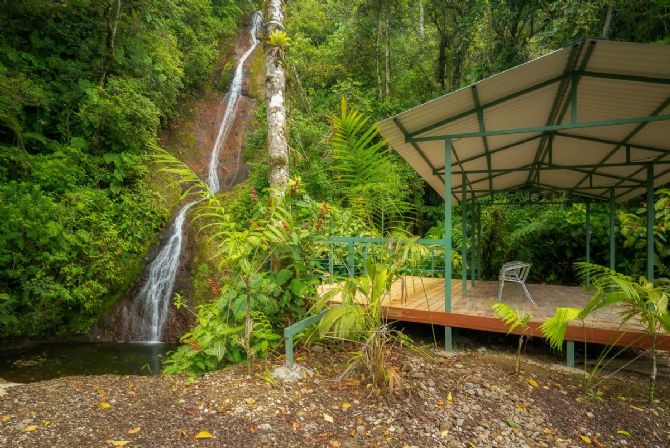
x=289, y=375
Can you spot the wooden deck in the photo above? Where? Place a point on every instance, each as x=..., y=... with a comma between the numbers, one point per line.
x=421, y=299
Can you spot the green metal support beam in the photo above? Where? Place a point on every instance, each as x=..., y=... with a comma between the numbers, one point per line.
x=588, y=240
x=448, y=149
x=612, y=230
x=651, y=215
x=291, y=331
x=633, y=133
x=480, y=252
x=570, y=79
x=464, y=238
x=614, y=142
x=417, y=148
x=550, y=128
x=473, y=242
x=496, y=150
x=482, y=128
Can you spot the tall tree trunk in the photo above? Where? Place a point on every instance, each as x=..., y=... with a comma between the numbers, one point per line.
x=380, y=89
x=608, y=20
x=422, y=27
x=108, y=55
x=387, y=54
x=275, y=87
x=442, y=61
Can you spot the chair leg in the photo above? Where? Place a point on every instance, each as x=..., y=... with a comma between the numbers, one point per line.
x=525, y=290
x=500, y=290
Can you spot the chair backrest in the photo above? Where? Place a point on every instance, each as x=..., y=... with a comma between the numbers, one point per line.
x=515, y=271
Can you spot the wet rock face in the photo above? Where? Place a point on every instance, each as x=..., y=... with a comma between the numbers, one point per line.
x=114, y=326
x=192, y=141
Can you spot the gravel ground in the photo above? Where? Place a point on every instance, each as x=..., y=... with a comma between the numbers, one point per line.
x=454, y=400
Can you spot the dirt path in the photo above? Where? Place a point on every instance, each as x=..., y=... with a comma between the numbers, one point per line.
x=489, y=407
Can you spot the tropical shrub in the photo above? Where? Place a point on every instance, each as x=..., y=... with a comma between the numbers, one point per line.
x=642, y=302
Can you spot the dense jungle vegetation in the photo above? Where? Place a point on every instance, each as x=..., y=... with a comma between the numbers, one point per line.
x=86, y=87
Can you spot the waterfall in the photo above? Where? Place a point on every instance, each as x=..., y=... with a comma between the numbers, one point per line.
x=232, y=101
x=150, y=307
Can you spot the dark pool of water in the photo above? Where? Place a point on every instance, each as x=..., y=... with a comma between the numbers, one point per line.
x=47, y=361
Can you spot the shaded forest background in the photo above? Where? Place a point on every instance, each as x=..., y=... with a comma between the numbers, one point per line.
x=87, y=86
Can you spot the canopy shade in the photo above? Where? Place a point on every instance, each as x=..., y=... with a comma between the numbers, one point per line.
x=590, y=118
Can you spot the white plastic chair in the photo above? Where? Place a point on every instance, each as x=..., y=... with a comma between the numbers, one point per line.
x=516, y=272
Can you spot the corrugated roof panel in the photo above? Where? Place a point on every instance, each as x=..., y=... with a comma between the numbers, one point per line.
x=523, y=76
x=630, y=58
x=572, y=151
x=598, y=99
x=516, y=156
x=433, y=111
x=605, y=99
x=522, y=112
x=653, y=133
x=509, y=180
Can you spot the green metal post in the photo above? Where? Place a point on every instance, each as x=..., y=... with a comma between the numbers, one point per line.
x=473, y=242
x=570, y=354
x=464, y=239
x=651, y=212
x=479, y=242
x=350, y=258
x=612, y=228
x=447, y=240
x=588, y=240
x=330, y=260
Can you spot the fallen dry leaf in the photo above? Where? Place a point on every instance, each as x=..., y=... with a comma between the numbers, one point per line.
x=5, y=418
x=203, y=435
x=623, y=432
x=134, y=430
x=450, y=398
x=30, y=428
x=327, y=418
x=104, y=405
x=334, y=443
x=118, y=443
x=346, y=406
x=250, y=401
x=533, y=383
x=586, y=439
x=521, y=408
x=46, y=422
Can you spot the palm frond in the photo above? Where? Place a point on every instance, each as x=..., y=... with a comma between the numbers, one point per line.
x=554, y=328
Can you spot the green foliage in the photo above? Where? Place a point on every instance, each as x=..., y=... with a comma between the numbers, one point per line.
x=215, y=342
x=364, y=172
x=78, y=113
x=513, y=320
x=642, y=302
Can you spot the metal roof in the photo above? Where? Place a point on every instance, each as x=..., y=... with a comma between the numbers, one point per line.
x=589, y=118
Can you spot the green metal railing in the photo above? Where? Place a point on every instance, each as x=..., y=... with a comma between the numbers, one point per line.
x=347, y=257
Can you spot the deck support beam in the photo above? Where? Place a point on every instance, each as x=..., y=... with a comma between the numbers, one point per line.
x=612, y=229
x=447, y=240
x=570, y=354
x=464, y=238
x=651, y=214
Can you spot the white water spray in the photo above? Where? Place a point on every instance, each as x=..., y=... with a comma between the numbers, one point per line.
x=232, y=101
x=150, y=307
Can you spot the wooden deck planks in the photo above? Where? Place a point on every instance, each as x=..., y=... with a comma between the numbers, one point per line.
x=421, y=299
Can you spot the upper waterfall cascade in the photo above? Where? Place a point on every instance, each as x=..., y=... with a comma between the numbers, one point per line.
x=150, y=307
